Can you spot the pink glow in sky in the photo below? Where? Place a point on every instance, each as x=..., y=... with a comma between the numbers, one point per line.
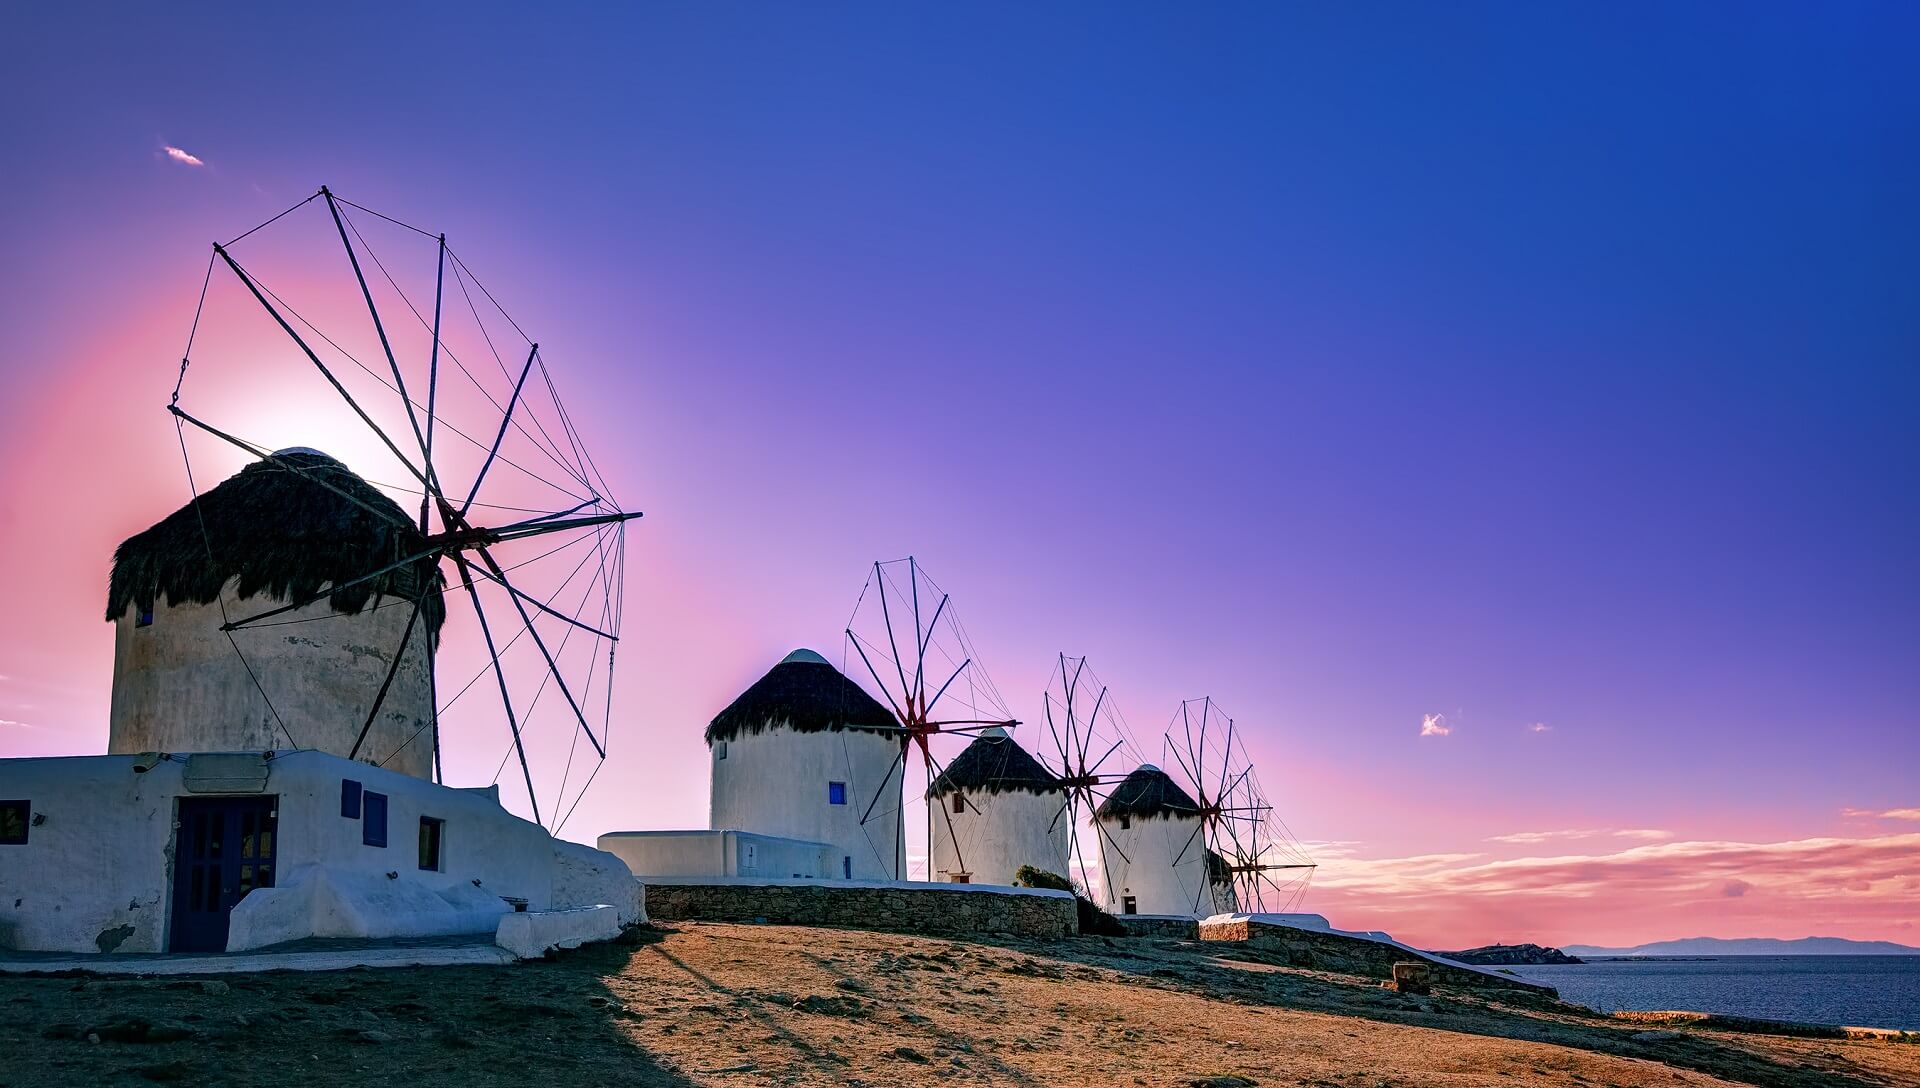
x=1532, y=474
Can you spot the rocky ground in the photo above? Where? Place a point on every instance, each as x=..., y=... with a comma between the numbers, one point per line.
x=738, y=1006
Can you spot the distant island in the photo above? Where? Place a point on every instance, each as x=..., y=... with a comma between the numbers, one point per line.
x=1502, y=955
x=1752, y=946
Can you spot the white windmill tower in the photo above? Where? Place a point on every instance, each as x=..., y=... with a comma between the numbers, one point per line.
x=1209, y=846
x=930, y=678
x=303, y=605
x=1000, y=807
x=798, y=754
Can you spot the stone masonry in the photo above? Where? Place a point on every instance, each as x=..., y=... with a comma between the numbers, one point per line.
x=932, y=910
x=1320, y=950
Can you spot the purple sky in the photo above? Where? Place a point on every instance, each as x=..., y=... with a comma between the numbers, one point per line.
x=1528, y=367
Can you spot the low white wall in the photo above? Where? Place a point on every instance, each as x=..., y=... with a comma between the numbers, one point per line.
x=96, y=873
x=721, y=853
x=586, y=877
x=316, y=901
x=536, y=933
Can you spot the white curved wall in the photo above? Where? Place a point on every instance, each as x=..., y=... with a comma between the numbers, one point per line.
x=997, y=834
x=1144, y=868
x=179, y=687
x=776, y=783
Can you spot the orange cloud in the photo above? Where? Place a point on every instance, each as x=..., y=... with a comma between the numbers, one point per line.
x=1863, y=888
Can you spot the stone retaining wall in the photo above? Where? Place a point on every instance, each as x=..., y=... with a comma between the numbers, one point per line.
x=930, y=909
x=1320, y=950
x=1160, y=925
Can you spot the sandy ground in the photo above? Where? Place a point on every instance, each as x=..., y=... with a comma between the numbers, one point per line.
x=740, y=1006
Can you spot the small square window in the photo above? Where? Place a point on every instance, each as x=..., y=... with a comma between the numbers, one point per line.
x=960, y=878
x=1125, y=821
x=836, y=793
x=350, y=799
x=430, y=834
x=144, y=619
x=846, y=866
x=15, y=816
x=373, y=818
x=720, y=750
x=959, y=802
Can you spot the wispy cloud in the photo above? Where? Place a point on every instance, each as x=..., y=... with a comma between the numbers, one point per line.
x=1434, y=725
x=1539, y=727
x=12, y=724
x=1888, y=814
x=1530, y=838
x=182, y=157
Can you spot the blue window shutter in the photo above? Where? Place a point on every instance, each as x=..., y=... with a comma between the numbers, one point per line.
x=836, y=793
x=350, y=799
x=846, y=866
x=373, y=827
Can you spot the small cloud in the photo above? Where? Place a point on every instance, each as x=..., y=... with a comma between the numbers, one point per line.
x=1889, y=814
x=1539, y=727
x=1645, y=834
x=1434, y=725
x=1734, y=889
x=1534, y=838
x=1529, y=838
x=10, y=723
x=182, y=157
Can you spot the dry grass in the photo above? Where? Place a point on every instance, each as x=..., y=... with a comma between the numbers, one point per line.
x=767, y=1005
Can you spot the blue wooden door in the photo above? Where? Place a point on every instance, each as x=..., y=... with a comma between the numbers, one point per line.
x=223, y=850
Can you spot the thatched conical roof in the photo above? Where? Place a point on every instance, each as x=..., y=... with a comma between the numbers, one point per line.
x=285, y=528
x=1145, y=794
x=805, y=694
x=994, y=763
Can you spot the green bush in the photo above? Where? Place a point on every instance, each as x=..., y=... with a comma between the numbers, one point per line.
x=1030, y=877
x=1094, y=922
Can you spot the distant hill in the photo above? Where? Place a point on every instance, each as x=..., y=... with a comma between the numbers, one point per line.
x=1752, y=946
x=1508, y=954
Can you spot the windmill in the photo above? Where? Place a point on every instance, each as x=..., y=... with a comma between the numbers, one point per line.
x=932, y=681
x=1251, y=862
x=326, y=347
x=1086, y=731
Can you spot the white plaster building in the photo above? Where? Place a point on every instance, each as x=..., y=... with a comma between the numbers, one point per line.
x=994, y=809
x=1154, y=851
x=806, y=754
x=227, y=816
x=234, y=851
x=267, y=537
x=721, y=853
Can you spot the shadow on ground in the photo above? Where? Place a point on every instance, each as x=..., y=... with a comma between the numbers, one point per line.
x=548, y=1022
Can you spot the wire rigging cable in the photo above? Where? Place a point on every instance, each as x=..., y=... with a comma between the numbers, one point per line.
x=577, y=507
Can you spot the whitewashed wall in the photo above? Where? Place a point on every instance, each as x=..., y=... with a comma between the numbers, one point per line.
x=179, y=687
x=97, y=873
x=996, y=834
x=725, y=853
x=1144, y=868
x=775, y=783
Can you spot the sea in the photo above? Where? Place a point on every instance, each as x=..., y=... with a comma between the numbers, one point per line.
x=1856, y=991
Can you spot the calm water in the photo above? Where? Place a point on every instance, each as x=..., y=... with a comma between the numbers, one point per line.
x=1866, y=991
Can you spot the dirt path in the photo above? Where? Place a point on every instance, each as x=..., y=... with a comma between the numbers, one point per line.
x=766, y=1005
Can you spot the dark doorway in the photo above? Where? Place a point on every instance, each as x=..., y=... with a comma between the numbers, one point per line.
x=223, y=850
